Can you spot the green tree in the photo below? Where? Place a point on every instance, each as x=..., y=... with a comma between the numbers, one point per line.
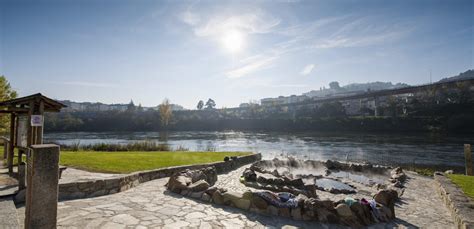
x=210, y=104
x=200, y=105
x=165, y=112
x=6, y=93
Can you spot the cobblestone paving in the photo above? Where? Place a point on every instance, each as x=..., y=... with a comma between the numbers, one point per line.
x=151, y=206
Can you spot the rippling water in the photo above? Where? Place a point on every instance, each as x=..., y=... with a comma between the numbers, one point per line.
x=391, y=149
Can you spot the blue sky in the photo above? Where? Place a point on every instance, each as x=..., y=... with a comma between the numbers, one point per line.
x=231, y=51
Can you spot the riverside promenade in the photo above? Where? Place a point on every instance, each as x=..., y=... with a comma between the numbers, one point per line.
x=150, y=205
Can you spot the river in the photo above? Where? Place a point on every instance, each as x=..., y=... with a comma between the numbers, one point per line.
x=431, y=150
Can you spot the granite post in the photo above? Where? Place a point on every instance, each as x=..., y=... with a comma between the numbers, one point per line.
x=468, y=157
x=42, y=186
x=21, y=175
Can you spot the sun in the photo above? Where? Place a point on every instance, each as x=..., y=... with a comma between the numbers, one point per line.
x=233, y=40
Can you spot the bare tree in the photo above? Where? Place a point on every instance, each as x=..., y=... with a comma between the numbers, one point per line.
x=165, y=112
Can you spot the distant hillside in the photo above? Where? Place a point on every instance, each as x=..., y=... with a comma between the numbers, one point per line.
x=469, y=74
x=374, y=86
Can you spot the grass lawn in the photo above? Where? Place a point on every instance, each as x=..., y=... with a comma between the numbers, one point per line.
x=127, y=162
x=465, y=182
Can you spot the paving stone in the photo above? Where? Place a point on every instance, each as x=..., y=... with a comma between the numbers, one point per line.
x=420, y=206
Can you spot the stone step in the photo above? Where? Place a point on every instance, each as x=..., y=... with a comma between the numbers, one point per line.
x=8, y=213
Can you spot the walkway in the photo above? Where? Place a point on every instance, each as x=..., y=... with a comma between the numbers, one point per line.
x=150, y=205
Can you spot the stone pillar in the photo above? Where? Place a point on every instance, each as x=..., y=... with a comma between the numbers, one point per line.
x=5, y=148
x=42, y=186
x=21, y=175
x=468, y=157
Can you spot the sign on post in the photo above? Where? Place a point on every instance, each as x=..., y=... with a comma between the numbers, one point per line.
x=36, y=120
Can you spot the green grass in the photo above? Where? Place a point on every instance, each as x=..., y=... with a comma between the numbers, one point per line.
x=127, y=162
x=466, y=183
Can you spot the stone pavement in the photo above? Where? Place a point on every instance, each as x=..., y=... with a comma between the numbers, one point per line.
x=150, y=206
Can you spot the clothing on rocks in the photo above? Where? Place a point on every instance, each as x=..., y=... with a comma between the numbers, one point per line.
x=281, y=200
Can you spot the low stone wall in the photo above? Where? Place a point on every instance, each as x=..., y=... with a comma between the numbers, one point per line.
x=461, y=206
x=95, y=188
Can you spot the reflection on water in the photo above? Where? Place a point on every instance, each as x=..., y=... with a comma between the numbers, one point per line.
x=360, y=178
x=421, y=149
x=328, y=184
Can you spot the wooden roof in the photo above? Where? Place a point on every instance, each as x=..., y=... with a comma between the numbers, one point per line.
x=22, y=104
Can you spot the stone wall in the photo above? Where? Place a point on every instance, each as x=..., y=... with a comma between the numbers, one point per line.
x=460, y=206
x=95, y=188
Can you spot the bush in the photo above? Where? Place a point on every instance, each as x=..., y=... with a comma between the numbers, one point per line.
x=132, y=146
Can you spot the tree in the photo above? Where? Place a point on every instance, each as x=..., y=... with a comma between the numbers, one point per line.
x=210, y=104
x=131, y=106
x=165, y=112
x=200, y=105
x=334, y=85
x=6, y=93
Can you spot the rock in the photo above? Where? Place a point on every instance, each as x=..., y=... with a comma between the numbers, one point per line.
x=362, y=212
x=449, y=171
x=205, y=197
x=199, y=186
x=247, y=195
x=397, y=174
x=326, y=216
x=249, y=175
x=272, y=210
x=385, y=214
x=217, y=197
x=311, y=190
x=185, y=192
x=259, y=203
x=396, y=170
x=387, y=197
x=343, y=210
x=285, y=212
x=301, y=199
x=178, y=183
x=236, y=199
x=262, y=180
x=195, y=195
x=397, y=184
x=211, y=190
x=296, y=214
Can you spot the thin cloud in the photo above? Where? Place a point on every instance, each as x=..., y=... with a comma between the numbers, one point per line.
x=256, y=64
x=190, y=18
x=307, y=69
x=257, y=22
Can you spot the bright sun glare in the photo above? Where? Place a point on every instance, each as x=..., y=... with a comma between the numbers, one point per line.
x=233, y=40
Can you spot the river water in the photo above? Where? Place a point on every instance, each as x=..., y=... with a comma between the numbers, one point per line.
x=430, y=150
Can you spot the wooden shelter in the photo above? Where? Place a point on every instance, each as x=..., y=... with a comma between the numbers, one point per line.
x=26, y=122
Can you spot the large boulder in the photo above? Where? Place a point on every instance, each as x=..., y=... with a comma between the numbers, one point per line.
x=199, y=186
x=177, y=183
x=343, y=210
x=363, y=213
x=387, y=197
x=397, y=174
x=237, y=199
x=249, y=175
x=192, y=180
x=208, y=174
x=259, y=202
x=217, y=197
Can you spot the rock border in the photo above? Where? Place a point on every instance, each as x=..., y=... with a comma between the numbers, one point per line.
x=94, y=188
x=460, y=206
